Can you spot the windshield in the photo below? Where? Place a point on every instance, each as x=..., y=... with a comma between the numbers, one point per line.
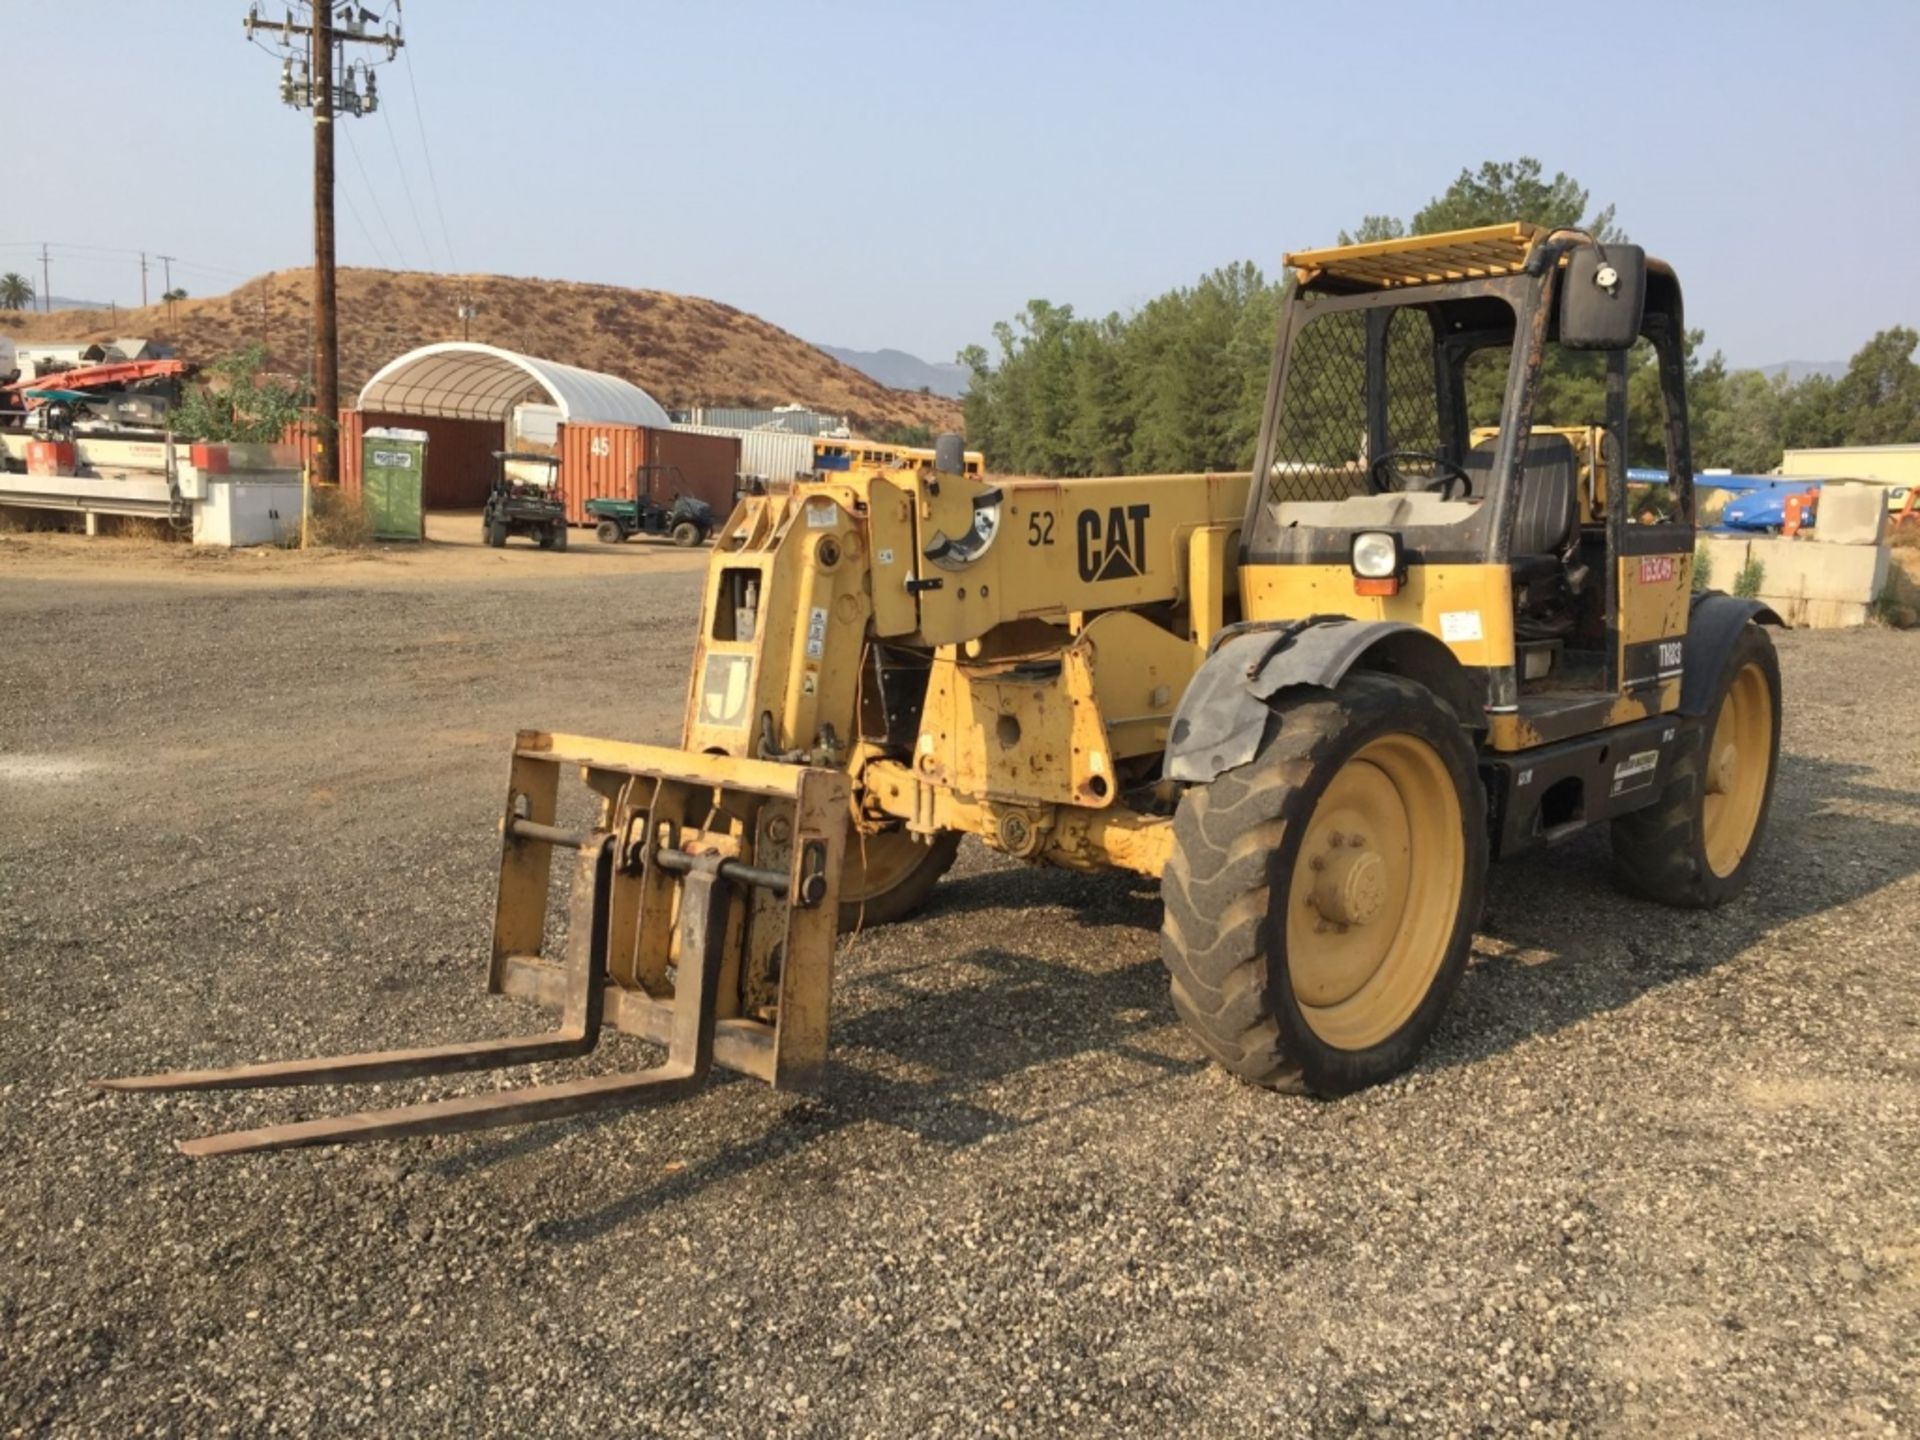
x=1328, y=444
x=1368, y=423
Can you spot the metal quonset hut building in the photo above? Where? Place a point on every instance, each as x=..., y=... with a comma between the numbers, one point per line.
x=463, y=394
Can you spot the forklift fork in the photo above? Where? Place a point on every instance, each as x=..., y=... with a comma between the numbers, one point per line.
x=673, y=892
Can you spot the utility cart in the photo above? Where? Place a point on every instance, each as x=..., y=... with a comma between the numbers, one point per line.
x=525, y=500
x=681, y=517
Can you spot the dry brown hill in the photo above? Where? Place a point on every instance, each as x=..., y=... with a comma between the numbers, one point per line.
x=681, y=349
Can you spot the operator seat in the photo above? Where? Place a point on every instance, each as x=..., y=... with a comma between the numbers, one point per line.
x=1545, y=571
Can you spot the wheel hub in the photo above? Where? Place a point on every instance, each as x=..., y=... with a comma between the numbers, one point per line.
x=1351, y=886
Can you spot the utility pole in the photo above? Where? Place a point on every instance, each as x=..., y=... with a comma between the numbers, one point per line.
x=167, y=261
x=326, y=322
x=143, y=279
x=46, y=285
x=314, y=80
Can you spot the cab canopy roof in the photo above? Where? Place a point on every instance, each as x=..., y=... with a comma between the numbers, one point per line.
x=466, y=381
x=1421, y=259
x=1477, y=254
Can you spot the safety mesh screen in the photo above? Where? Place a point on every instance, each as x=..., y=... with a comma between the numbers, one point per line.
x=1320, y=437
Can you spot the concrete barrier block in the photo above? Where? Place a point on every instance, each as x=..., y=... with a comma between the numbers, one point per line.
x=1851, y=514
x=1820, y=586
x=1724, y=556
x=1810, y=571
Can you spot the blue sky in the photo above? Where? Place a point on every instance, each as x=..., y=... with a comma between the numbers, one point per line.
x=906, y=174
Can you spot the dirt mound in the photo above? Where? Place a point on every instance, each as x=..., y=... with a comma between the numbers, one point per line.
x=682, y=349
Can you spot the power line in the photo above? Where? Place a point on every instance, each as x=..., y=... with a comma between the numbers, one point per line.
x=433, y=181
x=365, y=234
x=426, y=246
x=373, y=199
x=96, y=254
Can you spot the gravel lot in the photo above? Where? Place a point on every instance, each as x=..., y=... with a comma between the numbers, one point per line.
x=1660, y=1173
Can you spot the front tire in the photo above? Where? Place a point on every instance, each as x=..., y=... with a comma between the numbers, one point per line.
x=496, y=533
x=686, y=534
x=1694, y=846
x=1321, y=899
x=890, y=876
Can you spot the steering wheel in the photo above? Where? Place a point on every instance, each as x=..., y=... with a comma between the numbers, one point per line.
x=1442, y=483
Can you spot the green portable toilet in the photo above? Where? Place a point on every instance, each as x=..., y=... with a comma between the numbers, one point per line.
x=393, y=465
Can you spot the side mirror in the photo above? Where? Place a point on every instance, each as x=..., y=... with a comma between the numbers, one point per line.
x=1603, y=295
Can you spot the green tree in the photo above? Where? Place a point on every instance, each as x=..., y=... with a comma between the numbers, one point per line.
x=1101, y=431
x=1880, y=393
x=1739, y=426
x=1374, y=227
x=16, y=291
x=1195, y=363
x=1020, y=410
x=1513, y=190
x=235, y=400
x=1810, y=414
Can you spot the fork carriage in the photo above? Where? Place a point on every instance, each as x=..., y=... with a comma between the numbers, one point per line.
x=702, y=918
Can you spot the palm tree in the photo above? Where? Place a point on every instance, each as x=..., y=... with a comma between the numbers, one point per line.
x=16, y=291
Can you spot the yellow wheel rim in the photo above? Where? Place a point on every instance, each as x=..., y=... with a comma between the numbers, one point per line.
x=1738, y=763
x=1375, y=892
x=877, y=863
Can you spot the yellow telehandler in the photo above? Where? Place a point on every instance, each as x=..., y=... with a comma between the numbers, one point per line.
x=1313, y=700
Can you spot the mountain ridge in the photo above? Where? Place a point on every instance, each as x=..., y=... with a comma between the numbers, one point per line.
x=901, y=370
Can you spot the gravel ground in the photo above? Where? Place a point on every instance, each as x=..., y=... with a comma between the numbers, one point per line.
x=1657, y=1175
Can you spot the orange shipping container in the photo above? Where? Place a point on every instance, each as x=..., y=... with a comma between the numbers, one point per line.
x=597, y=463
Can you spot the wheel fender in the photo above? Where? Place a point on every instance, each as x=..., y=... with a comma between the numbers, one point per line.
x=1224, y=711
x=1713, y=624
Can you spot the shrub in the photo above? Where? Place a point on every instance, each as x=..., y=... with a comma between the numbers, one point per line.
x=1748, y=582
x=1898, y=603
x=336, y=519
x=238, y=401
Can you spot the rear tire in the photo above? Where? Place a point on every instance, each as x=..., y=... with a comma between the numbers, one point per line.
x=1321, y=899
x=608, y=532
x=686, y=534
x=560, y=535
x=1694, y=846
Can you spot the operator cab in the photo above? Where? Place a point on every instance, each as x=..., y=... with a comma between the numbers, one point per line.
x=1447, y=424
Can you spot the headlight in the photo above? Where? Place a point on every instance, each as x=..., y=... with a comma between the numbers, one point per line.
x=1376, y=555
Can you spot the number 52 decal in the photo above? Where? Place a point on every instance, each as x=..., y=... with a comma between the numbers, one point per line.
x=1040, y=528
